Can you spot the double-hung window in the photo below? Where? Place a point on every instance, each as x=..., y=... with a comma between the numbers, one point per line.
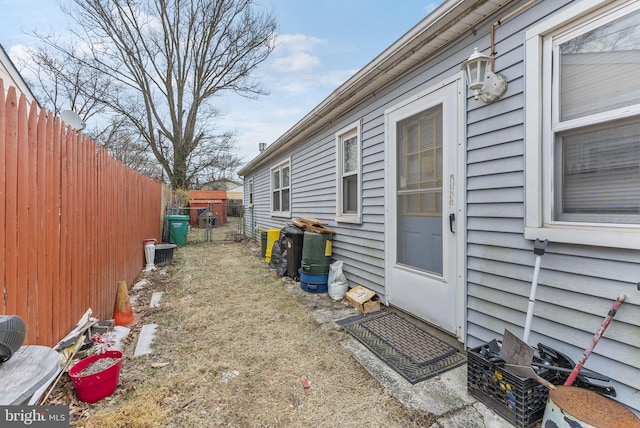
x=583, y=126
x=348, y=180
x=281, y=189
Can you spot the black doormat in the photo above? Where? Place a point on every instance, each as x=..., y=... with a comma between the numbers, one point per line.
x=403, y=346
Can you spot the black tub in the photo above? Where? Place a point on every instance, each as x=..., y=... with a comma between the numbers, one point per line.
x=164, y=254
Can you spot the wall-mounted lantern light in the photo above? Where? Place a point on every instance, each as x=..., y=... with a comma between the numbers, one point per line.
x=485, y=84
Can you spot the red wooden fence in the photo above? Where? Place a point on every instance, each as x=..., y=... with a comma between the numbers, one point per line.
x=72, y=221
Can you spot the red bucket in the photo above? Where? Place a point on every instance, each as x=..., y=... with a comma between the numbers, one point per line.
x=96, y=386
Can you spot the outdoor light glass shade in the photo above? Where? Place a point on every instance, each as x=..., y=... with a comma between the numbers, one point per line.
x=475, y=68
x=485, y=84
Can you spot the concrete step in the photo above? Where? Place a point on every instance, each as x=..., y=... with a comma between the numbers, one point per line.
x=155, y=299
x=145, y=339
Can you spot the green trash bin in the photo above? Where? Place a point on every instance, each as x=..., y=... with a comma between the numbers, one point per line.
x=316, y=252
x=178, y=228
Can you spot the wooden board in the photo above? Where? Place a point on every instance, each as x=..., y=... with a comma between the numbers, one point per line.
x=312, y=225
x=26, y=372
x=312, y=221
x=299, y=224
x=318, y=229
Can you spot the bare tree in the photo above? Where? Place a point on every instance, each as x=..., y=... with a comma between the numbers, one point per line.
x=62, y=82
x=166, y=60
x=125, y=144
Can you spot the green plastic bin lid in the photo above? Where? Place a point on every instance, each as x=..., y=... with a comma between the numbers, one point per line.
x=176, y=217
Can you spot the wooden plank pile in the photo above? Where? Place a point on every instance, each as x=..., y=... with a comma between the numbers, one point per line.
x=312, y=225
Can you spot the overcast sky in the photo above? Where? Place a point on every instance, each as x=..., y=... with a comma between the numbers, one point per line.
x=321, y=44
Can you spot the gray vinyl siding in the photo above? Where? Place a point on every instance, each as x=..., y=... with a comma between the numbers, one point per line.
x=577, y=284
x=258, y=216
x=313, y=194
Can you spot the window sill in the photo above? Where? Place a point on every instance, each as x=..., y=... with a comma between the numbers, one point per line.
x=601, y=236
x=349, y=219
x=281, y=214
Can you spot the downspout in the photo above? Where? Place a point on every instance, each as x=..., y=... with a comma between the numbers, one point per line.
x=500, y=21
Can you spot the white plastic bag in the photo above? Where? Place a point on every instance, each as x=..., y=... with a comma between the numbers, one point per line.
x=337, y=282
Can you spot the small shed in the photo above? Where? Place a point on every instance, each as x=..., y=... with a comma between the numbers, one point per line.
x=213, y=200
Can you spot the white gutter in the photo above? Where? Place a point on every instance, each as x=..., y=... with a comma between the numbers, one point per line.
x=446, y=22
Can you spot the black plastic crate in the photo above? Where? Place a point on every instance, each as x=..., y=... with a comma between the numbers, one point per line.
x=520, y=401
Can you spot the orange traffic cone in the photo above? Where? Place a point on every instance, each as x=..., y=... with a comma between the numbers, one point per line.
x=122, y=313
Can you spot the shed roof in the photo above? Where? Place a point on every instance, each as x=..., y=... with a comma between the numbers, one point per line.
x=207, y=195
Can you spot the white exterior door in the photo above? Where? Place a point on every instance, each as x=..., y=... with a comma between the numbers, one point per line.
x=423, y=221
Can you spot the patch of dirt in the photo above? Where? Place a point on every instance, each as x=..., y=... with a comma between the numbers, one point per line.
x=98, y=366
x=234, y=342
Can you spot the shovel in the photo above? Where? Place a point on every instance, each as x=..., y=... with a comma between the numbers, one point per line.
x=518, y=357
x=528, y=373
x=515, y=351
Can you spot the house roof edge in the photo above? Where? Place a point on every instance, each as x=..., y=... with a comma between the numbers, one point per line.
x=372, y=76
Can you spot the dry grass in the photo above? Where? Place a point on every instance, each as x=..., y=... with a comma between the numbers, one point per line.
x=231, y=349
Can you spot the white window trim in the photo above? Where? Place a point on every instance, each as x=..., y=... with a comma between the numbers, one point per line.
x=341, y=217
x=250, y=192
x=539, y=222
x=286, y=162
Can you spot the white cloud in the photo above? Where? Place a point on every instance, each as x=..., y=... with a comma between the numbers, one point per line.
x=294, y=53
x=298, y=61
x=19, y=52
x=313, y=82
x=336, y=78
x=21, y=57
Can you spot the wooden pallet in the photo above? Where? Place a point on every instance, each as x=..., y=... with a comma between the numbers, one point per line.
x=312, y=225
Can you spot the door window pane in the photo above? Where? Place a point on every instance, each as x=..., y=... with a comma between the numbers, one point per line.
x=419, y=140
x=419, y=191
